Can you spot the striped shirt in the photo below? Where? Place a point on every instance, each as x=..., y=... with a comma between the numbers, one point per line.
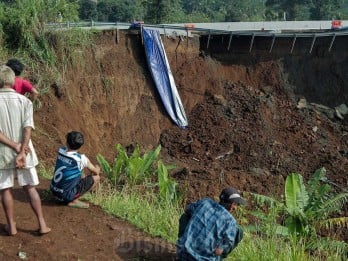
x=16, y=113
x=211, y=226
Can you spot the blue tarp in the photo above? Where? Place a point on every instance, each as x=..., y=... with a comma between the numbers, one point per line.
x=162, y=76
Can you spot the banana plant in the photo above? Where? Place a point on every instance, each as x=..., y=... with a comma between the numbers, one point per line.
x=138, y=167
x=133, y=169
x=114, y=172
x=168, y=188
x=305, y=210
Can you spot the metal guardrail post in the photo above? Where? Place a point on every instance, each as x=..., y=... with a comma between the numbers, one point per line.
x=164, y=32
x=312, y=45
x=272, y=44
x=187, y=37
x=293, y=43
x=251, y=43
x=141, y=34
x=229, y=42
x=208, y=40
x=117, y=34
x=332, y=41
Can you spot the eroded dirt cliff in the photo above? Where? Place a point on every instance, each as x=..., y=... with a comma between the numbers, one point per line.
x=246, y=129
x=244, y=125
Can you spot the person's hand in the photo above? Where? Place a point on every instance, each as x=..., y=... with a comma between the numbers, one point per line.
x=18, y=148
x=218, y=251
x=97, y=170
x=26, y=150
x=21, y=160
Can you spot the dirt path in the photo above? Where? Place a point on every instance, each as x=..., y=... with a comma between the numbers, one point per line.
x=77, y=234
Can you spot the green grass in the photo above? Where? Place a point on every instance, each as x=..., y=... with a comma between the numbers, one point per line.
x=45, y=172
x=140, y=208
x=143, y=210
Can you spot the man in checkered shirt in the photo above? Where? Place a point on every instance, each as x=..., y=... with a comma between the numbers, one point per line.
x=207, y=229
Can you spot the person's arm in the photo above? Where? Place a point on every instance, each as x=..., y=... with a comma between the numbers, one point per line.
x=95, y=169
x=28, y=87
x=233, y=235
x=185, y=218
x=21, y=157
x=183, y=221
x=10, y=143
x=34, y=94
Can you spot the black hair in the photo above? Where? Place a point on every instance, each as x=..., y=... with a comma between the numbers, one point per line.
x=74, y=140
x=226, y=205
x=16, y=65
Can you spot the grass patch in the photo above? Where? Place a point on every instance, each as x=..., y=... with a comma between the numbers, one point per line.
x=141, y=204
x=141, y=208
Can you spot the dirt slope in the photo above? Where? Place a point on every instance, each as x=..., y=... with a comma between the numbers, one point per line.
x=244, y=127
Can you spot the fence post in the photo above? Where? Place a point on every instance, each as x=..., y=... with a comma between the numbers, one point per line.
x=293, y=43
x=117, y=34
x=208, y=39
x=272, y=44
x=332, y=41
x=251, y=43
x=312, y=45
x=229, y=42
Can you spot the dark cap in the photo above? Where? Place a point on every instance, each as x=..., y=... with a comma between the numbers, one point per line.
x=230, y=195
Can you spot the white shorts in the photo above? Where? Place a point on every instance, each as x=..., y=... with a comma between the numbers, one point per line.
x=24, y=177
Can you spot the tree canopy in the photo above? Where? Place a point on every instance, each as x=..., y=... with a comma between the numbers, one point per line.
x=179, y=11
x=176, y=11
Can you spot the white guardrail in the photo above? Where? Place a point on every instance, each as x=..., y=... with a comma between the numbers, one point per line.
x=279, y=28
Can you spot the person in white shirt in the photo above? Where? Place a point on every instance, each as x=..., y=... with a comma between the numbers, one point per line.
x=17, y=154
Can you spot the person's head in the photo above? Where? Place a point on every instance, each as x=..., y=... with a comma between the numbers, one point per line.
x=7, y=76
x=74, y=140
x=230, y=198
x=16, y=65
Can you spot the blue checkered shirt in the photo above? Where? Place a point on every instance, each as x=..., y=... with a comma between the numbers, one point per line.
x=211, y=226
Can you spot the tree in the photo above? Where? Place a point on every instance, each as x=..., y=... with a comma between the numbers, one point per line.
x=214, y=10
x=164, y=11
x=325, y=9
x=289, y=9
x=23, y=23
x=88, y=10
x=245, y=10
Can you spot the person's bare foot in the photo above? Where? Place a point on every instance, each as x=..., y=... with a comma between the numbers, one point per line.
x=78, y=204
x=10, y=231
x=43, y=231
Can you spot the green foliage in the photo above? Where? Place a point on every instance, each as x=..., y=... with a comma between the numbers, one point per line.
x=137, y=170
x=23, y=25
x=178, y=11
x=303, y=10
x=141, y=208
x=168, y=188
x=245, y=10
x=325, y=9
x=305, y=209
x=117, y=170
x=163, y=11
x=290, y=10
